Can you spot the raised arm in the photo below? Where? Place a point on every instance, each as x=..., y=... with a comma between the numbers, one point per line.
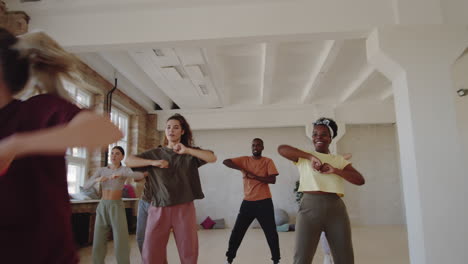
x=145, y=174
x=86, y=129
x=133, y=161
x=136, y=175
x=270, y=179
x=93, y=179
x=271, y=171
x=230, y=164
x=293, y=154
x=202, y=154
x=348, y=173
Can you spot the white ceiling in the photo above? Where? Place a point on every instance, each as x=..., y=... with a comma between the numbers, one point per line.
x=231, y=63
x=259, y=74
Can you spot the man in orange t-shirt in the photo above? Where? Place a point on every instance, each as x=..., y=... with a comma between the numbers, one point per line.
x=258, y=172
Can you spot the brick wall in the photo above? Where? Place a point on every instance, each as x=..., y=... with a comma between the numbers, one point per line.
x=142, y=126
x=152, y=135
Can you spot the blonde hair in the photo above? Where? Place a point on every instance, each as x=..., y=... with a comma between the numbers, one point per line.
x=47, y=63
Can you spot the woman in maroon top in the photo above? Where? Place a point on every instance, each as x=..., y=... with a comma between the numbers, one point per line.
x=34, y=135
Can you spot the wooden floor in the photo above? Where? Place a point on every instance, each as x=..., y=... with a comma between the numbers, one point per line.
x=372, y=244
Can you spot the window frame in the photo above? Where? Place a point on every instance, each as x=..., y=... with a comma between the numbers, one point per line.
x=126, y=116
x=81, y=161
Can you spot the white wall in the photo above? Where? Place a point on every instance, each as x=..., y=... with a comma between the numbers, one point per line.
x=375, y=155
x=377, y=202
x=223, y=186
x=460, y=76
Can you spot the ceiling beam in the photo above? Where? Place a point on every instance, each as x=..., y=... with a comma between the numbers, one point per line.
x=123, y=63
x=215, y=74
x=355, y=85
x=366, y=113
x=245, y=117
x=151, y=64
x=268, y=68
x=386, y=94
x=259, y=116
x=327, y=58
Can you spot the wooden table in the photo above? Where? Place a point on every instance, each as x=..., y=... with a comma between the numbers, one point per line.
x=89, y=206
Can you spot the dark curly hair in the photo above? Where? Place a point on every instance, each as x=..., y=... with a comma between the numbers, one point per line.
x=120, y=149
x=187, y=137
x=325, y=121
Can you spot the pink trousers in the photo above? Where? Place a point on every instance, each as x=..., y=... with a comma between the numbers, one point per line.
x=182, y=219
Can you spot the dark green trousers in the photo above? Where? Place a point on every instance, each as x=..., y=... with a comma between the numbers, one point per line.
x=327, y=213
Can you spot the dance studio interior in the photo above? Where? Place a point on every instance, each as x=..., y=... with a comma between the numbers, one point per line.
x=393, y=74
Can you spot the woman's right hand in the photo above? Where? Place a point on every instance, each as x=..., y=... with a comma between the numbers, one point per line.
x=315, y=163
x=115, y=176
x=163, y=164
x=102, y=179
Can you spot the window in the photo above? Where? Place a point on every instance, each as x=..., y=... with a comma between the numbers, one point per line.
x=121, y=120
x=77, y=158
x=81, y=97
x=74, y=174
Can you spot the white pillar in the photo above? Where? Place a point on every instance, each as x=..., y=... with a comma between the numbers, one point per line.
x=418, y=60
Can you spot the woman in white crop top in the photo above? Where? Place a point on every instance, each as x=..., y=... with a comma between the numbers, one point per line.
x=322, y=177
x=110, y=212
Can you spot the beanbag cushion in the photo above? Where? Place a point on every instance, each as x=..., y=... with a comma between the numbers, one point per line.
x=219, y=224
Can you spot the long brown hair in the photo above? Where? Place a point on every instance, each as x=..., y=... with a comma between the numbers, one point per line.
x=37, y=59
x=186, y=138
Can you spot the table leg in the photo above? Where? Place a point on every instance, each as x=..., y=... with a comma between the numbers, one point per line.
x=92, y=220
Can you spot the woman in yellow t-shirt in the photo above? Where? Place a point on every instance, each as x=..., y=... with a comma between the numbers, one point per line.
x=322, y=178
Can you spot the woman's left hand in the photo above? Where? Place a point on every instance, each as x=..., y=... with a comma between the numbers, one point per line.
x=115, y=176
x=180, y=148
x=328, y=169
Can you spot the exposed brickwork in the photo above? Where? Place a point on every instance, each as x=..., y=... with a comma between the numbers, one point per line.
x=93, y=79
x=139, y=122
x=152, y=135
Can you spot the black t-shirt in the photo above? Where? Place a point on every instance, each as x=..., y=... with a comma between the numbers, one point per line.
x=180, y=183
x=35, y=226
